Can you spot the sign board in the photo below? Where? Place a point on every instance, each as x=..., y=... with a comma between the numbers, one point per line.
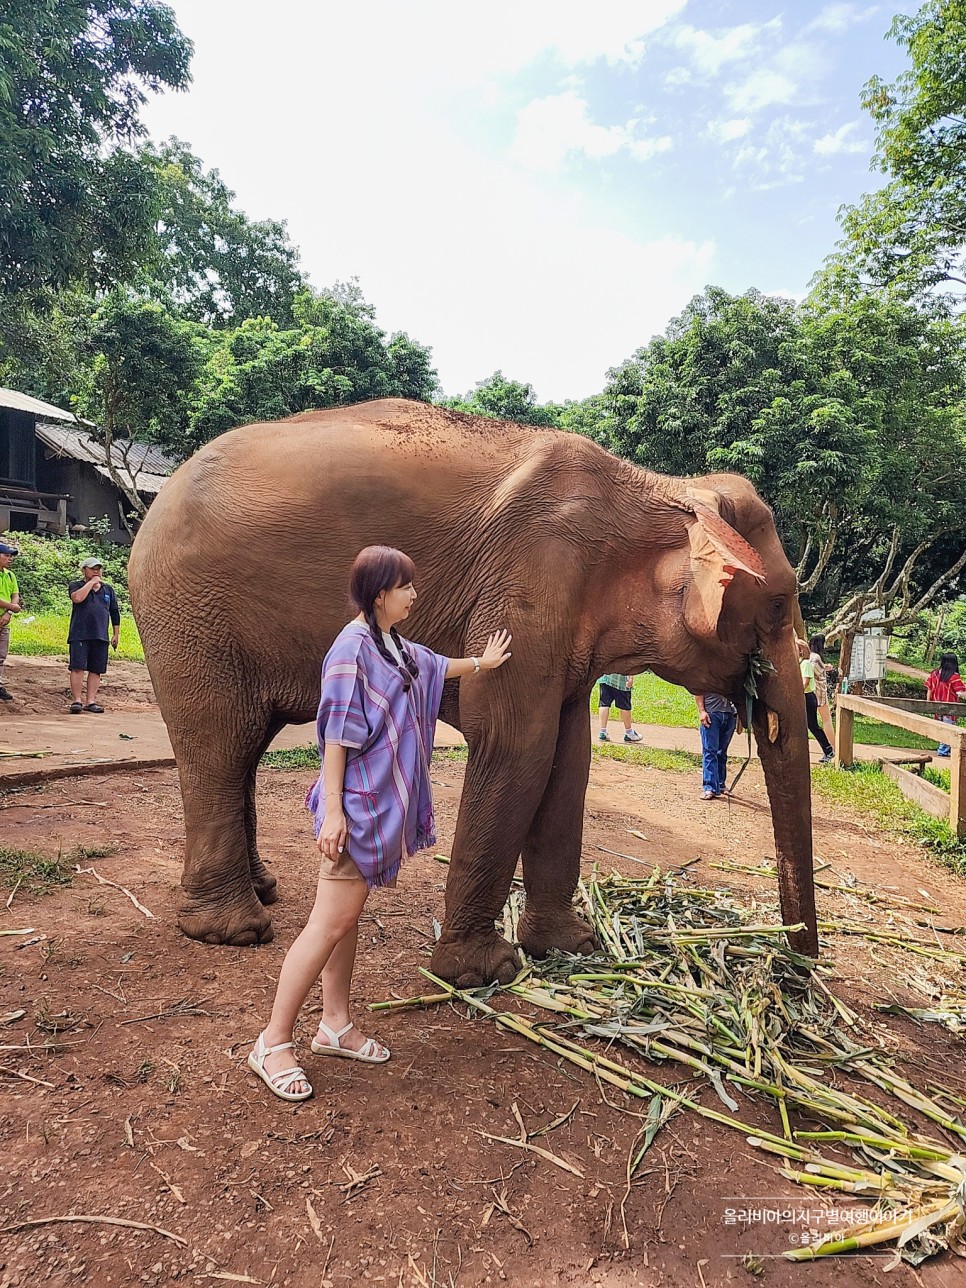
x=870, y=652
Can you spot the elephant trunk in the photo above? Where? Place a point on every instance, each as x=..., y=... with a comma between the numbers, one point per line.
x=782, y=738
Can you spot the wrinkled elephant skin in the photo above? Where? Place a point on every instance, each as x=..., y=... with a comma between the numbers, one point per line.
x=238, y=579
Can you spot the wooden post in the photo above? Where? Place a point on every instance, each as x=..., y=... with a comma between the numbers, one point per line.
x=957, y=789
x=844, y=736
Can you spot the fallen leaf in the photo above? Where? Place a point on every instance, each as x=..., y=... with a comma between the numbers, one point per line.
x=314, y=1221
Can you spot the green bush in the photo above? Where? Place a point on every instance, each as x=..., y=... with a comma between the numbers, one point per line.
x=902, y=686
x=46, y=564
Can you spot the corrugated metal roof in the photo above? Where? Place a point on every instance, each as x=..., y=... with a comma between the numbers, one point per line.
x=23, y=402
x=143, y=465
x=149, y=483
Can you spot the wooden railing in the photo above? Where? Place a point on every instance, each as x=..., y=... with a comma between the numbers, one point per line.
x=917, y=717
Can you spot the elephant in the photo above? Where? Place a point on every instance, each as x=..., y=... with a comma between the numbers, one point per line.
x=238, y=583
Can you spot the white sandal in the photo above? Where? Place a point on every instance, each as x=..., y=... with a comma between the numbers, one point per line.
x=371, y=1051
x=277, y=1083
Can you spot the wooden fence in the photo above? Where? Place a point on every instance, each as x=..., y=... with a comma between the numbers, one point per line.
x=916, y=716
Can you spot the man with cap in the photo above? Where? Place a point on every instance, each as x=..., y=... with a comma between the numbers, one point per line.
x=94, y=607
x=9, y=604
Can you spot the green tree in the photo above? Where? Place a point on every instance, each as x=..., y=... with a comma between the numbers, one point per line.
x=144, y=364
x=848, y=418
x=334, y=355
x=73, y=77
x=213, y=263
x=501, y=399
x=911, y=235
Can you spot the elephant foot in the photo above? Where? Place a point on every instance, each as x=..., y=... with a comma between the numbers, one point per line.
x=564, y=931
x=240, y=923
x=472, y=960
x=265, y=886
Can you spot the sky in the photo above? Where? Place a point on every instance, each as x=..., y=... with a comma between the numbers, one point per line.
x=538, y=186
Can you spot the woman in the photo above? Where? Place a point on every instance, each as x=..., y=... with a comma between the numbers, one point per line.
x=811, y=704
x=817, y=658
x=372, y=804
x=945, y=685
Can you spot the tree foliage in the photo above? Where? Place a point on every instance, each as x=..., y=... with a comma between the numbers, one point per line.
x=911, y=234
x=209, y=261
x=501, y=399
x=333, y=355
x=73, y=76
x=144, y=364
x=849, y=421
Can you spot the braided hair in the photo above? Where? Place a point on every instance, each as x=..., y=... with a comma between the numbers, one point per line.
x=379, y=568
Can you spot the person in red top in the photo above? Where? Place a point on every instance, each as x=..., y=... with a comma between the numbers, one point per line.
x=945, y=685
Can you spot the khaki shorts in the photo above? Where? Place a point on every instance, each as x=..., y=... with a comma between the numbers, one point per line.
x=343, y=869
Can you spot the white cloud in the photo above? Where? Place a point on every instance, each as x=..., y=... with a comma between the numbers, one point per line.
x=779, y=154
x=710, y=52
x=551, y=129
x=837, y=17
x=748, y=155
x=505, y=35
x=830, y=144
x=723, y=131
x=377, y=153
x=763, y=88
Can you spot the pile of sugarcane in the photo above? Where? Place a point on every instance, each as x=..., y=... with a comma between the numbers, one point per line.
x=911, y=932
x=691, y=976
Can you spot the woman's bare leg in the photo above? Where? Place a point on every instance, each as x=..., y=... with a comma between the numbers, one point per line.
x=336, y=981
x=825, y=715
x=335, y=915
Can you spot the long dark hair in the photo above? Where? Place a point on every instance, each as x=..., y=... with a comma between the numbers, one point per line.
x=948, y=666
x=379, y=568
x=817, y=645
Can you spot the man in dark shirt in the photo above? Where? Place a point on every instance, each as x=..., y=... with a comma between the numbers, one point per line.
x=94, y=607
x=719, y=716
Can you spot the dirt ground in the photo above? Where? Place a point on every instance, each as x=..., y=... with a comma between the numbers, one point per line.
x=125, y=1093
x=40, y=686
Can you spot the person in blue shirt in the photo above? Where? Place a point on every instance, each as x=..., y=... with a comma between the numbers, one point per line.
x=93, y=609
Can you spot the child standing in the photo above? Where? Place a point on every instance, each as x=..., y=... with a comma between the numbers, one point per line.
x=372, y=804
x=615, y=691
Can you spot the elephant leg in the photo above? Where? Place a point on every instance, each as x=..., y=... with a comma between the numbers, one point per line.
x=217, y=777
x=551, y=852
x=510, y=755
x=263, y=882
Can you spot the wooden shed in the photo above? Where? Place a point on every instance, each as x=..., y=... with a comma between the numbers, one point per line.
x=55, y=475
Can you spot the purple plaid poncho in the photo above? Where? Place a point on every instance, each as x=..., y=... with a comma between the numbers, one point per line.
x=388, y=734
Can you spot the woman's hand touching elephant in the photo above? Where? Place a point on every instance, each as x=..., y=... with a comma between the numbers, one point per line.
x=495, y=653
x=332, y=835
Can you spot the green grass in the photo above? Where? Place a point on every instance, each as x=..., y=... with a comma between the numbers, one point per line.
x=655, y=701
x=679, y=762
x=306, y=757
x=33, y=873
x=873, y=733
x=46, y=636
x=867, y=789
x=937, y=776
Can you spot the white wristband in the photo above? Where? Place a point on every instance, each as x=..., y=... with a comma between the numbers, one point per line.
x=476, y=664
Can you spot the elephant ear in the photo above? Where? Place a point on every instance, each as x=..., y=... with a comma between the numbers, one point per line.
x=717, y=553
